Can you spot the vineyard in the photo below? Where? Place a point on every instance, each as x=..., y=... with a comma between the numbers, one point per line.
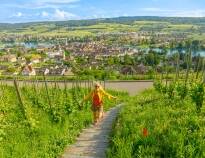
x=165, y=122
x=39, y=121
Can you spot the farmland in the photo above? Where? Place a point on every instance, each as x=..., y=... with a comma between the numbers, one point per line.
x=91, y=27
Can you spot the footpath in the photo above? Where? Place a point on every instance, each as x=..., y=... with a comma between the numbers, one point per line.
x=93, y=141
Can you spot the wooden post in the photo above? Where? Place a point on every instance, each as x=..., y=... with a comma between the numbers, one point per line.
x=92, y=84
x=85, y=85
x=34, y=87
x=166, y=73
x=177, y=68
x=72, y=84
x=198, y=65
x=37, y=83
x=203, y=71
x=88, y=84
x=65, y=88
x=104, y=84
x=55, y=83
x=188, y=67
x=80, y=83
x=20, y=99
x=46, y=86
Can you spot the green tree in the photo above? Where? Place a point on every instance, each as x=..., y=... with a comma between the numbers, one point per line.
x=152, y=59
x=67, y=53
x=110, y=61
x=128, y=60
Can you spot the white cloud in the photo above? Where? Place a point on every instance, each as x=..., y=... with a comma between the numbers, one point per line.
x=175, y=13
x=95, y=16
x=57, y=1
x=58, y=15
x=19, y=14
x=45, y=14
x=41, y=4
x=63, y=15
x=125, y=14
x=190, y=13
x=156, y=10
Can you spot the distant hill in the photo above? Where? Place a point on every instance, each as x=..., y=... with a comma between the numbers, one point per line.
x=121, y=20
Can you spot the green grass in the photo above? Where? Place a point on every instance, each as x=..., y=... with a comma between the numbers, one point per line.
x=175, y=129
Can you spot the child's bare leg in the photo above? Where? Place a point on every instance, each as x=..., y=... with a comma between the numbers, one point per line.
x=101, y=112
x=95, y=117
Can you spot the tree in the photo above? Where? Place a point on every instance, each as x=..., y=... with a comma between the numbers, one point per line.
x=128, y=60
x=67, y=53
x=18, y=53
x=28, y=58
x=152, y=59
x=110, y=61
x=195, y=45
x=11, y=69
x=116, y=60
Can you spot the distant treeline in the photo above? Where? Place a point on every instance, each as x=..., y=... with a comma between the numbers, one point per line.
x=121, y=20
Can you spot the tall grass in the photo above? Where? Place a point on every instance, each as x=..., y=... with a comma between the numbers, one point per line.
x=174, y=127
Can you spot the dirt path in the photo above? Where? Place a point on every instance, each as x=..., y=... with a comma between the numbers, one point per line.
x=93, y=141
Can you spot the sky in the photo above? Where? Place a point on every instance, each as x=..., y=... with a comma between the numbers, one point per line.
x=15, y=11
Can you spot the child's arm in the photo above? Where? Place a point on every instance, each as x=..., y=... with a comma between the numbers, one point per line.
x=108, y=95
x=87, y=97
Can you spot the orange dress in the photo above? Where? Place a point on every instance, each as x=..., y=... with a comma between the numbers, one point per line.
x=96, y=97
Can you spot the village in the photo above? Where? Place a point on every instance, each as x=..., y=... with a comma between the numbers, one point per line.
x=121, y=53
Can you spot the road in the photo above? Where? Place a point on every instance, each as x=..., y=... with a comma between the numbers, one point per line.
x=132, y=87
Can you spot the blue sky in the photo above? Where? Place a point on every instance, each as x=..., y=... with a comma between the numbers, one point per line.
x=13, y=11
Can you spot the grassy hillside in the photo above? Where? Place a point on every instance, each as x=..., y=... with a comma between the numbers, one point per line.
x=153, y=126
x=81, y=28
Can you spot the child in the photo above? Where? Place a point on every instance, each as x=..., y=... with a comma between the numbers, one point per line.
x=97, y=101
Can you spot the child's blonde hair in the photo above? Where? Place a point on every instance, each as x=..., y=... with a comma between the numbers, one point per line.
x=97, y=84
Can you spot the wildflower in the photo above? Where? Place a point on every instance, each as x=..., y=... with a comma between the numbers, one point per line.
x=145, y=132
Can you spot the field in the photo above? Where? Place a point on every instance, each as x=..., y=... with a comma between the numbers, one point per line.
x=41, y=121
x=92, y=28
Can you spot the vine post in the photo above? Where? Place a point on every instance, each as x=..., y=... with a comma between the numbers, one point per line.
x=177, y=67
x=198, y=66
x=47, y=93
x=22, y=107
x=65, y=88
x=188, y=66
x=203, y=72
x=104, y=83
